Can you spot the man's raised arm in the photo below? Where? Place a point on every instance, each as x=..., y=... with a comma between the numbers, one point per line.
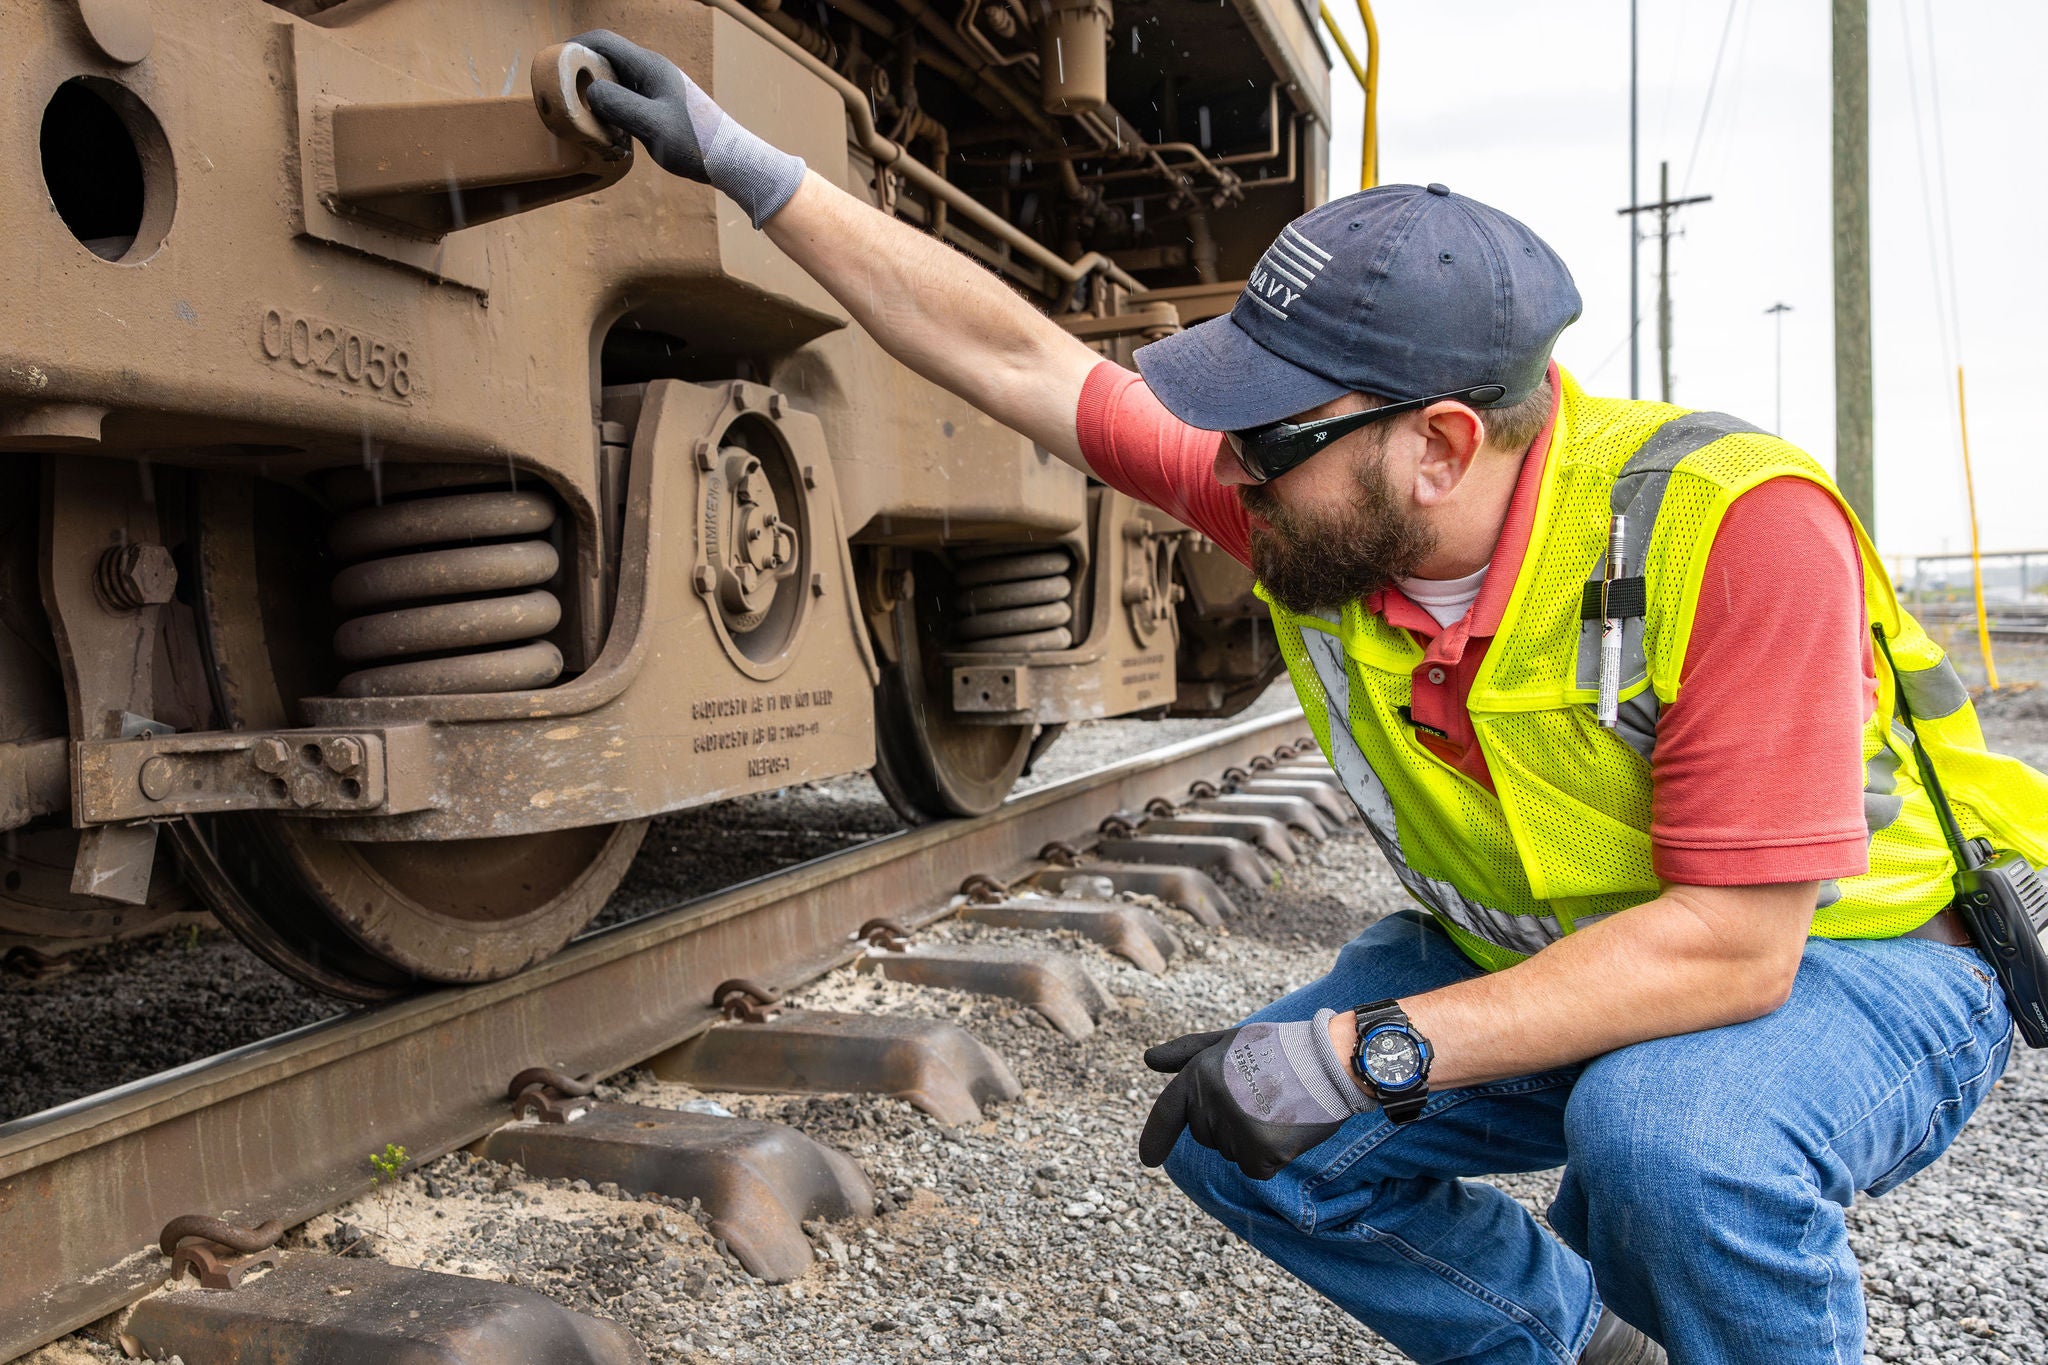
x=930, y=307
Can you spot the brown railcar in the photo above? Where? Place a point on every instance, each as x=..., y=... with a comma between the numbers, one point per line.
x=405, y=498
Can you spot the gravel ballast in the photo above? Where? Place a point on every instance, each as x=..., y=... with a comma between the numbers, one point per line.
x=1035, y=1236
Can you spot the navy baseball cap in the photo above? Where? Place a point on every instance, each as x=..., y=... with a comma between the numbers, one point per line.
x=1402, y=291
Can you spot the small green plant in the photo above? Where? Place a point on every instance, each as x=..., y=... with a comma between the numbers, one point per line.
x=388, y=1164
x=191, y=938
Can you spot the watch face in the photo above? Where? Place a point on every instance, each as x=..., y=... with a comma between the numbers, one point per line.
x=1391, y=1058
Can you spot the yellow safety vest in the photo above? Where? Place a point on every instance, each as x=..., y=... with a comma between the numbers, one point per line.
x=1564, y=837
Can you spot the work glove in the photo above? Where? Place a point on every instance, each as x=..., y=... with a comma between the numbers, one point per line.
x=684, y=131
x=1260, y=1094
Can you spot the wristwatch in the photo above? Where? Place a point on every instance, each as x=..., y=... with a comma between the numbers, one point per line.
x=1392, y=1059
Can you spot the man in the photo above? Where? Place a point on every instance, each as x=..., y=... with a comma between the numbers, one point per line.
x=1695, y=950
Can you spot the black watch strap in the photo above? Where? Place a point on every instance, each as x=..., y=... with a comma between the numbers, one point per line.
x=1407, y=1106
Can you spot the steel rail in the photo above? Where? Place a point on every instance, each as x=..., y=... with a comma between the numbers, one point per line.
x=282, y=1128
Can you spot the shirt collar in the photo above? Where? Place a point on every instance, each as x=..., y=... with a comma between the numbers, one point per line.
x=1447, y=643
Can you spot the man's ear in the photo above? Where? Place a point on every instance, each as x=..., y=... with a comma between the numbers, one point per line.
x=1452, y=435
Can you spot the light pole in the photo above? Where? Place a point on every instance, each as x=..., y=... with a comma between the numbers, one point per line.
x=1635, y=236
x=1777, y=313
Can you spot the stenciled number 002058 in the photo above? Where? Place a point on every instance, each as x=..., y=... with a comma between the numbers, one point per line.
x=329, y=353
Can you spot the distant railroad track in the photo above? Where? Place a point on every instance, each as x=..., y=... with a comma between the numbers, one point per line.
x=278, y=1129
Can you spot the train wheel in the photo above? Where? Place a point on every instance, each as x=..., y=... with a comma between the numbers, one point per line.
x=358, y=920
x=929, y=765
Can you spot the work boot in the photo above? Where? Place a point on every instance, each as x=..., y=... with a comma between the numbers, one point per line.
x=1616, y=1343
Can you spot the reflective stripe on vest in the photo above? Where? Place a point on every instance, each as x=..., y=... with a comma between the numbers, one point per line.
x=1639, y=495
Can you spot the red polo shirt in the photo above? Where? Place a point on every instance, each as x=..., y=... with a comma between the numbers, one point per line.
x=1757, y=775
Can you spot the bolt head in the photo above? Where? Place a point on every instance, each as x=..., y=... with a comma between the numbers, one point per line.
x=155, y=779
x=271, y=754
x=307, y=790
x=704, y=580
x=776, y=405
x=136, y=575
x=343, y=754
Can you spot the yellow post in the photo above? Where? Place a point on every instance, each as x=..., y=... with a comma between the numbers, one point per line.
x=1368, y=77
x=1976, y=564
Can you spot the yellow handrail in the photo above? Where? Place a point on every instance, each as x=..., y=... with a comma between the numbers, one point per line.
x=1368, y=78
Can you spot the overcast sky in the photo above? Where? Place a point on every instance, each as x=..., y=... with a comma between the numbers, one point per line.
x=1526, y=107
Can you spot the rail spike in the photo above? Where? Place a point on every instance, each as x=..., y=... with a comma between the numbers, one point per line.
x=549, y=1095
x=218, y=1253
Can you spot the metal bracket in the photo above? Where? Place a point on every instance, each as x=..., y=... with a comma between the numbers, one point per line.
x=939, y=1067
x=1131, y=932
x=1054, y=984
x=157, y=777
x=758, y=1181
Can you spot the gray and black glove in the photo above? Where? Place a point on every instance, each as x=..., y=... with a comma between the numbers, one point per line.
x=1260, y=1094
x=684, y=131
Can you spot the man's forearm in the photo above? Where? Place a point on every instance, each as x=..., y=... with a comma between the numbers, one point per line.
x=1687, y=961
x=938, y=312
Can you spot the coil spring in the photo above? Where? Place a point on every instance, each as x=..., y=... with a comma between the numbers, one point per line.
x=435, y=583
x=1015, y=602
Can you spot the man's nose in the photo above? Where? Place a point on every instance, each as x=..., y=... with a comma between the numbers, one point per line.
x=1227, y=470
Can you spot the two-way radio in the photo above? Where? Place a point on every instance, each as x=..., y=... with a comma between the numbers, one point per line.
x=2002, y=899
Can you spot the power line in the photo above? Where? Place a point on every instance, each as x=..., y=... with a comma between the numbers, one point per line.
x=1707, y=105
x=1941, y=176
x=1944, y=322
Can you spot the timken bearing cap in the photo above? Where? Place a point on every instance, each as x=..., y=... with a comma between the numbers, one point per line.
x=1401, y=291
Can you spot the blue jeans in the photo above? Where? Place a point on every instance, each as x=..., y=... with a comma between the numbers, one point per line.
x=1705, y=1177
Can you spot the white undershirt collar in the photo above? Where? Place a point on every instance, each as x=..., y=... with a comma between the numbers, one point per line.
x=1446, y=599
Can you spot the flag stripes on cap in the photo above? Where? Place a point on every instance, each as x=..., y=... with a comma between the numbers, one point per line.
x=1285, y=272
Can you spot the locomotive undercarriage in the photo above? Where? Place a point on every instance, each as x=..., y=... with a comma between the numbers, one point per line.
x=378, y=556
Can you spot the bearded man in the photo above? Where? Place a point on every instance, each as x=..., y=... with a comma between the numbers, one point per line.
x=1625, y=698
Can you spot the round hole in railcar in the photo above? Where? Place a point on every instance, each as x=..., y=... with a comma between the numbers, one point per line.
x=107, y=167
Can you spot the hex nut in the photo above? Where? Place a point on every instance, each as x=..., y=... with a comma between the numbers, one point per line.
x=306, y=789
x=271, y=754
x=704, y=580
x=136, y=575
x=343, y=754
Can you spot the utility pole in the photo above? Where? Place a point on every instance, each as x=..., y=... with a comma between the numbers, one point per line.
x=1777, y=312
x=1664, y=208
x=1635, y=237
x=1854, y=418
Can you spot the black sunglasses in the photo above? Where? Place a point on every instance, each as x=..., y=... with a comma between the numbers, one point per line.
x=1269, y=451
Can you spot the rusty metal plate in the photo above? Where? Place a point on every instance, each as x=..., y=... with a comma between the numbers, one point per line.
x=1052, y=983
x=758, y=1181
x=1186, y=888
x=1263, y=832
x=1334, y=805
x=1306, y=772
x=325, y=1310
x=1213, y=854
x=1293, y=811
x=939, y=1067
x=1130, y=931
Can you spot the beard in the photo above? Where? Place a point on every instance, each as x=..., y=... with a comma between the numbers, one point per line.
x=1314, y=562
